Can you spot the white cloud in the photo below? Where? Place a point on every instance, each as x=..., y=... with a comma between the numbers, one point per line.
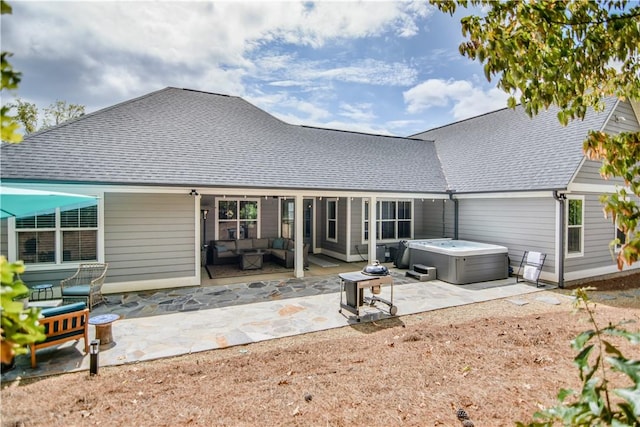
x=296, y=111
x=185, y=31
x=125, y=47
x=287, y=83
x=465, y=99
x=358, y=112
x=291, y=71
x=402, y=125
x=315, y=23
x=280, y=101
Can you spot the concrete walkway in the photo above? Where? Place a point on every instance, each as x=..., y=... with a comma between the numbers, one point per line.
x=176, y=333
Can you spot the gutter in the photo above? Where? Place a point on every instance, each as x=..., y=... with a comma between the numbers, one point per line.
x=455, y=213
x=561, y=198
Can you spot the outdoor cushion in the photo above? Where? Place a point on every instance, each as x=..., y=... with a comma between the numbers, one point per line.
x=221, y=248
x=279, y=253
x=278, y=244
x=244, y=244
x=63, y=309
x=260, y=243
x=76, y=291
x=227, y=254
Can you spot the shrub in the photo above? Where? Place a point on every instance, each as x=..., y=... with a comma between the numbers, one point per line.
x=597, y=355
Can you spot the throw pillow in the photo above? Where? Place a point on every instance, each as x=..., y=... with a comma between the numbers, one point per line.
x=221, y=248
x=278, y=243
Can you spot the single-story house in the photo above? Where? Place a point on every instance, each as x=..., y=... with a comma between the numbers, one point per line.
x=176, y=169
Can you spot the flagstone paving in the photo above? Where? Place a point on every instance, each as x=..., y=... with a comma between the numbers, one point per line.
x=172, y=322
x=177, y=300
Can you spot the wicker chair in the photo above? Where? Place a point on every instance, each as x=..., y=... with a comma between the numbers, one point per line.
x=85, y=284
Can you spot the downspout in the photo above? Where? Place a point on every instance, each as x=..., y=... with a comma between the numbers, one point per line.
x=455, y=213
x=561, y=198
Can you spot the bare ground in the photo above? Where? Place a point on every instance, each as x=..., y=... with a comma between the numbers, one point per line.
x=499, y=361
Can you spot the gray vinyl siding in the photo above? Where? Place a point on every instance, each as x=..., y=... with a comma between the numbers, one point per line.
x=629, y=124
x=590, y=174
x=433, y=219
x=590, y=171
x=4, y=246
x=149, y=236
x=357, y=218
x=341, y=245
x=598, y=232
x=449, y=218
x=519, y=224
x=269, y=226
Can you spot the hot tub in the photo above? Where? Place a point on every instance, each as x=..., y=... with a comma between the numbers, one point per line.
x=461, y=261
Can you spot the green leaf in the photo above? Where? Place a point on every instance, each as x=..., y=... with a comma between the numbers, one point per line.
x=578, y=342
x=632, y=396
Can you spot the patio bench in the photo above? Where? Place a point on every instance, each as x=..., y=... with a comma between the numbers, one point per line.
x=61, y=324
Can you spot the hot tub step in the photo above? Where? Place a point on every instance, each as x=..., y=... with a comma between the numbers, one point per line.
x=421, y=268
x=430, y=274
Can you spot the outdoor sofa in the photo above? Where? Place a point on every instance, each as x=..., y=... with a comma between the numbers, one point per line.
x=278, y=249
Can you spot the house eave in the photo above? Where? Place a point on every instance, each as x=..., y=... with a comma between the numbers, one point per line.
x=242, y=191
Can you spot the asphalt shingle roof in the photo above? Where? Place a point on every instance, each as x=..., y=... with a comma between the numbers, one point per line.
x=189, y=138
x=506, y=150
x=185, y=137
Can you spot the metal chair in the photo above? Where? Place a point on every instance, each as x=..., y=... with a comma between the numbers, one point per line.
x=85, y=284
x=531, y=267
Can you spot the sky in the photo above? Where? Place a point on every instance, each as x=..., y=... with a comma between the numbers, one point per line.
x=390, y=68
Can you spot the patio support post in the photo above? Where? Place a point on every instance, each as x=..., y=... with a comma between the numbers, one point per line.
x=299, y=233
x=373, y=225
x=560, y=198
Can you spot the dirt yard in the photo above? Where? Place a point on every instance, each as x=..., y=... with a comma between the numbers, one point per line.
x=499, y=361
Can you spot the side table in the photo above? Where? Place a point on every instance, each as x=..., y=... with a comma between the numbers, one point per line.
x=251, y=259
x=42, y=289
x=103, y=323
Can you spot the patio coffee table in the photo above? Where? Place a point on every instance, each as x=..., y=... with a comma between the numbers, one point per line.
x=42, y=289
x=103, y=328
x=251, y=259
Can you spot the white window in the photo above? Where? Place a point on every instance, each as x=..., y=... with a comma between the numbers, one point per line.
x=575, y=226
x=287, y=221
x=332, y=220
x=237, y=219
x=58, y=237
x=394, y=220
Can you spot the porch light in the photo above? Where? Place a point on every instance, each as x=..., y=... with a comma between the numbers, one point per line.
x=205, y=212
x=193, y=192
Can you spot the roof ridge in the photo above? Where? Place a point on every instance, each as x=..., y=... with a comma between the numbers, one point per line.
x=362, y=133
